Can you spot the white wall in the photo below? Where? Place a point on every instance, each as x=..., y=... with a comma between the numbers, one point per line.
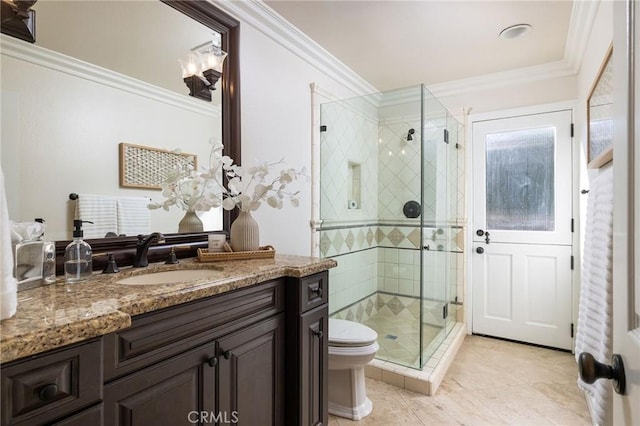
x=276, y=122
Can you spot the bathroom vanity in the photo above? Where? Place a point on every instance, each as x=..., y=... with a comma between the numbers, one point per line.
x=248, y=346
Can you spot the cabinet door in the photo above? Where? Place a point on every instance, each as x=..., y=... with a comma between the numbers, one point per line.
x=314, y=366
x=91, y=416
x=174, y=392
x=251, y=374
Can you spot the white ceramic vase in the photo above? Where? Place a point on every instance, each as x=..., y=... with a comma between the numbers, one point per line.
x=245, y=234
x=190, y=223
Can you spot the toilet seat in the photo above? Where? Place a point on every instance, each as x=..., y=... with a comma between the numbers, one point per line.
x=343, y=333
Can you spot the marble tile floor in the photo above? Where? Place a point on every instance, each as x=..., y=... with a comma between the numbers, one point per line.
x=490, y=382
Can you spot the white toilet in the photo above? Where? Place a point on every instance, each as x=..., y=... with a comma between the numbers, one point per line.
x=351, y=347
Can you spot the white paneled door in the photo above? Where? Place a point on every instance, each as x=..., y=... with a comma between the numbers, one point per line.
x=522, y=224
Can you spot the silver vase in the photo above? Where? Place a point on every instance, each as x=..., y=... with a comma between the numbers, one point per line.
x=190, y=223
x=245, y=234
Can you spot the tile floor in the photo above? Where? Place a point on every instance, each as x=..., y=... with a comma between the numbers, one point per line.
x=490, y=382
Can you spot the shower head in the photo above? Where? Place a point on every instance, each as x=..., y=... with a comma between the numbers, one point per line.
x=409, y=135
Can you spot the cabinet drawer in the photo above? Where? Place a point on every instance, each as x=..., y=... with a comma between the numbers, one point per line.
x=159, y=335
x=52, y=385
x=314, y=291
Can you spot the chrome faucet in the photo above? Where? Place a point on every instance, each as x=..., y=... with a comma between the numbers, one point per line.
x=140, y=261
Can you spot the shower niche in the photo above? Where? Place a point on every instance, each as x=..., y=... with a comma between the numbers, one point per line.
x=400, y=265
x=354, y=186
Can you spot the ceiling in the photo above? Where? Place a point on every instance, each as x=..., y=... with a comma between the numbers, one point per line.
x=394, y=44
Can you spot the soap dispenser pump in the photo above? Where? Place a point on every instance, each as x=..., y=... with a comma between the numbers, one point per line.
x=77, y=256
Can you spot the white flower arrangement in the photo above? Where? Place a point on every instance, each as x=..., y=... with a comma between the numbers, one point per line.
x=246, y=187
x=192, y=190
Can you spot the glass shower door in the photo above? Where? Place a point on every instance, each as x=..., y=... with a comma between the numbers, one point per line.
x=435, y=247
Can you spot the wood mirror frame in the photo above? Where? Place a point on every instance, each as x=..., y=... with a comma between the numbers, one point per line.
x=186, y=244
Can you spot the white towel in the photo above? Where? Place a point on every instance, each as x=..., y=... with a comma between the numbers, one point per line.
x=595, y=312
x=8, y=285
x=99, y=209
x=133, y=215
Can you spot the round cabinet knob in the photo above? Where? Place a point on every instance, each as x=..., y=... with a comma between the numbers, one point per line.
x=591, y=370
x=318, y=334
x=213, y=361
x=227, y=354
x=479, y=250
x=48, y=392
x=317, y=290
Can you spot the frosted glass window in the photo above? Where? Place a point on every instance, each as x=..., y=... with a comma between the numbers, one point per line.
x=520, y=180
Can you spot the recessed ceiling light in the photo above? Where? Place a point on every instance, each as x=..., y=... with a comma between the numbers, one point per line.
x=515, y=31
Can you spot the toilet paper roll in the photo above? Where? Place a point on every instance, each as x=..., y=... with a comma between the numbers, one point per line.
x=353, y=204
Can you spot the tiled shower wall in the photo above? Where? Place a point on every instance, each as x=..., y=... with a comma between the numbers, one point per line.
x=349, y=141
x=349, y=172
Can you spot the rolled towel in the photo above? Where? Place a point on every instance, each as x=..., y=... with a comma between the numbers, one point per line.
x=8, y=285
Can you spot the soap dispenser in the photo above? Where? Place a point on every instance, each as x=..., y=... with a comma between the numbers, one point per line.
x=77, y=256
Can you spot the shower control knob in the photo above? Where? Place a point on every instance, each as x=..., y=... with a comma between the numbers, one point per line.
x=479, y=250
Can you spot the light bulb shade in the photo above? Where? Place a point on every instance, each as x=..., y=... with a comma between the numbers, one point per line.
x=191, y=66
x=212, y=58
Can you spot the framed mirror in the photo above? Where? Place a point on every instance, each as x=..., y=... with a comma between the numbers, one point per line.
x=600, y=116
x=76, y=112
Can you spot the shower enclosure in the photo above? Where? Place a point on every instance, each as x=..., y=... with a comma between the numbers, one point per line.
x=391, y=210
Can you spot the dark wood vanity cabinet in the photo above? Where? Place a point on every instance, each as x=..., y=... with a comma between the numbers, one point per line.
x=309, y=320
x=46, y=389
x=218, y=360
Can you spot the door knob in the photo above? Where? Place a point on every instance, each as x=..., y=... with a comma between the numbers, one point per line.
x=479, y=232
x=479, y=250
x=591, y=370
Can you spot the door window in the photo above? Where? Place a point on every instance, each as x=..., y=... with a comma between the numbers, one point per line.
x=520, y=168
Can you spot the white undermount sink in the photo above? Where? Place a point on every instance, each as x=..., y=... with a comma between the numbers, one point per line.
x=170, y=277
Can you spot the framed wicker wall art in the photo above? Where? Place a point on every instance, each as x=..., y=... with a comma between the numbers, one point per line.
x=147, y=167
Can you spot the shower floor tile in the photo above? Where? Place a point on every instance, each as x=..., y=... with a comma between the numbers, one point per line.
x=403, y=346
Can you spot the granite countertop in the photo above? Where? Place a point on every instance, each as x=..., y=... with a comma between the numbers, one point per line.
x=56, y=315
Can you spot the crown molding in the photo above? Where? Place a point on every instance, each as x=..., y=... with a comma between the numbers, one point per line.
x=270, y=23
x=37, y=55
x=513, y=77
x=583, y=15
x=260, y=16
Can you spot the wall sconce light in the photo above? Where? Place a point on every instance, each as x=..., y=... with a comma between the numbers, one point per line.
x=18, y=20
x=202, y=69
